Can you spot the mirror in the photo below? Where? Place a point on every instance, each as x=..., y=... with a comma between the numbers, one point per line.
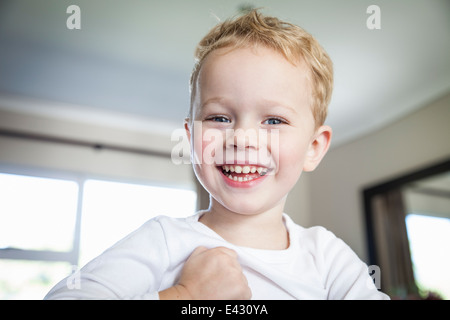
x=408, y=229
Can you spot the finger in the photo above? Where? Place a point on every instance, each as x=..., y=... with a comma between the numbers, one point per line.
x=228, y=251
x=199, y=250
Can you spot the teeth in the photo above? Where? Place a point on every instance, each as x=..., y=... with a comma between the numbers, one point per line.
x=262, y=171
x=243, y=169
x=240, y=179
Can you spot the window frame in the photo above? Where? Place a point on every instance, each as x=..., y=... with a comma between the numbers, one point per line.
x=71, y=256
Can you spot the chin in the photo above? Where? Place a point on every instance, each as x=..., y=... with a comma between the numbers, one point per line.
x=247, y=207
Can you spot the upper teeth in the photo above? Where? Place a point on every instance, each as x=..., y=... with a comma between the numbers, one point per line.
x=244, y=169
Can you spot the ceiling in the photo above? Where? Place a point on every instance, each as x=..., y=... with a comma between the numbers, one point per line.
x=132, y=59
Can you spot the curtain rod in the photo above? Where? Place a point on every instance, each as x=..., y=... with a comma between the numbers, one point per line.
x=81, y=143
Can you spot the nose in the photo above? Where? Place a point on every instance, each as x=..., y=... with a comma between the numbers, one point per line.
x=248, y=142
x=242, y=137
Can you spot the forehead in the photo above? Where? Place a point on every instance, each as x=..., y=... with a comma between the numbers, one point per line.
x=249, y=74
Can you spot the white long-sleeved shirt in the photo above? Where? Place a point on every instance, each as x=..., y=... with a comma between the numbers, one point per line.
x=317, y=265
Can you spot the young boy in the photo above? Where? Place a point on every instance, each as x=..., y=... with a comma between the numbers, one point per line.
x=259, y=97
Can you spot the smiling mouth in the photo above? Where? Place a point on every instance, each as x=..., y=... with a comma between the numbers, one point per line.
x=243, y=173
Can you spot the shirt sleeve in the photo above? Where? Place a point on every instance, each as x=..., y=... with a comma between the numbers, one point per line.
x=131, y=269
x=345, y=275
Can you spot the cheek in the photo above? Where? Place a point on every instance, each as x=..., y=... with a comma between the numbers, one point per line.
x=196, y=148
x=208, y=146
x=291, y=153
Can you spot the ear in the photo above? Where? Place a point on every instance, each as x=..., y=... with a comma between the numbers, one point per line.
x=317, y=148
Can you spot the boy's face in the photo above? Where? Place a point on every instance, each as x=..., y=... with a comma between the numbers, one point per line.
x=253, y=131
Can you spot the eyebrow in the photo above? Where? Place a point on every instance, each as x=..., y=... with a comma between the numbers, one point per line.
x=277, y=105
x=218, y=100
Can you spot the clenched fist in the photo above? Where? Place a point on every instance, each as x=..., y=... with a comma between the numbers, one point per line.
x=210, y=274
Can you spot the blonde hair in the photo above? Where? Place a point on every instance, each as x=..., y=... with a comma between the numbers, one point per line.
x=290, y=40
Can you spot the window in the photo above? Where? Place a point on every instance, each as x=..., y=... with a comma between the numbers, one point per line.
x=49, y=226
x=429, y=240
x=37, y=211
x=119, y=208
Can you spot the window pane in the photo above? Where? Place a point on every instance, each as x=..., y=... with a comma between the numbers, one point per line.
x=37, y=213
x=429, y=240
x=30, y=279
x=111, y=210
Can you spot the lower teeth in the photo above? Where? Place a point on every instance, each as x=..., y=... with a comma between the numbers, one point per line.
x=240, y=179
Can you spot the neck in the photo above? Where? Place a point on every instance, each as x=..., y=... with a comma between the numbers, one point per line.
x=264, y=230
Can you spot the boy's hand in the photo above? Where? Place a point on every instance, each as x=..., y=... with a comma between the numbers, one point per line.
x=211, y=274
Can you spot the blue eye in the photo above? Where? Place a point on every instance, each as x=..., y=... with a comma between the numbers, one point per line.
x=219, y=119
x=273, y=121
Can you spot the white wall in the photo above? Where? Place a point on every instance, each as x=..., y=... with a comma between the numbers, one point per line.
x=418, y=140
